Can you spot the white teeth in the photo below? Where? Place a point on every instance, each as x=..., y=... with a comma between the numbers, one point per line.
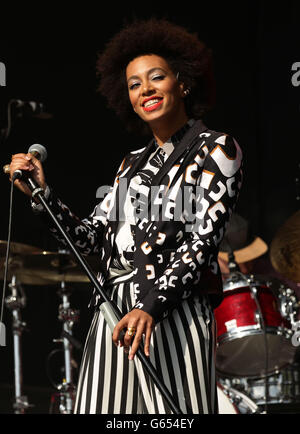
x=151, y=102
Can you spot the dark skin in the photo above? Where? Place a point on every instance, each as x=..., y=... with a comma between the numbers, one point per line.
x=147, y=76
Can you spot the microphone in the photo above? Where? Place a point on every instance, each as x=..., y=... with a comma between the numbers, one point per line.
x=38, y=151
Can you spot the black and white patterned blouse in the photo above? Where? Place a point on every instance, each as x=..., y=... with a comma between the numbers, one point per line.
x=178, y=232
x=136, y=199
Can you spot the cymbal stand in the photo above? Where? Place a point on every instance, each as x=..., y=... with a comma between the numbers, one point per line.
x=15, y=303
x=68, y=317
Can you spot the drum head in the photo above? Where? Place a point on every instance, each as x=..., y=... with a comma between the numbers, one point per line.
x=246, y=356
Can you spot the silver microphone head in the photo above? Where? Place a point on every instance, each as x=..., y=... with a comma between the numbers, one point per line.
x=39, y=151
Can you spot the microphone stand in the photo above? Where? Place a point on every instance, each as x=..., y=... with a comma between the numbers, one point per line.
x=111, y=312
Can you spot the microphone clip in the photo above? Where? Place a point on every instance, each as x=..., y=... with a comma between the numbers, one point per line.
x=36, y=191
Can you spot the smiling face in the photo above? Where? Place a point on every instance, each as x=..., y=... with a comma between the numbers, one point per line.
x=155, y=93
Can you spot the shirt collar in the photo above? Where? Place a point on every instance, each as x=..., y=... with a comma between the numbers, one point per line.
x=170, y=144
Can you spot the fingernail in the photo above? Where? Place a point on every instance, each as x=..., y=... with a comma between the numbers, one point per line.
x=27, y=157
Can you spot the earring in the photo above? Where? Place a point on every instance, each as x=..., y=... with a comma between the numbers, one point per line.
x=186, y=92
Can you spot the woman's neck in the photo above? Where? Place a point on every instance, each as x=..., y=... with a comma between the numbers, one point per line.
x=164, y=130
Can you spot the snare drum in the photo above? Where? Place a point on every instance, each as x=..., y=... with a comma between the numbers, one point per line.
x=232, y=401
x=249, y=326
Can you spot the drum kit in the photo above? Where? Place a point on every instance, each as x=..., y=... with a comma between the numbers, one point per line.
x=30, y=265
x=256, y=339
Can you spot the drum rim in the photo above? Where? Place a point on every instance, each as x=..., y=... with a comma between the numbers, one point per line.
x=241, y=332
x=223, y=374
x=229, y=391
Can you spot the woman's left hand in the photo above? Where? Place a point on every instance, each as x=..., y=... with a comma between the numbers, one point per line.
x=138, y=323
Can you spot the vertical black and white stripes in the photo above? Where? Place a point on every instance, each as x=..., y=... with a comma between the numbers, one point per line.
x=182, y=350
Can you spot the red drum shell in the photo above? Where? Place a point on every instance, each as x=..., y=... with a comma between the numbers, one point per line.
x=241, y=349
x=239, y=305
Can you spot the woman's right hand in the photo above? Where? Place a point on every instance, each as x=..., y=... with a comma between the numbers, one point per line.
x=28, y=163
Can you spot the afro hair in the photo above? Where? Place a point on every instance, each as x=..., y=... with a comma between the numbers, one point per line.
x=184, y=52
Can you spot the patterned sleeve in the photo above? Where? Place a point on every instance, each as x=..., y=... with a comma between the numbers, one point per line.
x=217, y=191
x=86, y=233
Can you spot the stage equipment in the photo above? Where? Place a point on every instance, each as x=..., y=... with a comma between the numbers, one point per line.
x=68, y=316
x=55, y=267
x=15, y=302
x=232, y=401
x=285, y=249
x=254, y=327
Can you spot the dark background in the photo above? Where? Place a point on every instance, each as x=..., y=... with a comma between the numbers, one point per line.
x=50, y=58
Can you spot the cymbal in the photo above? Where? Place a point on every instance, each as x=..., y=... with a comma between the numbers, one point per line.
x=17, y=248
x=285, y=248
x=56, y=267
x=33, y=266
x=15, y=268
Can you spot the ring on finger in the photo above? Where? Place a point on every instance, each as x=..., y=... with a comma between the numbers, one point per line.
x=131, y=331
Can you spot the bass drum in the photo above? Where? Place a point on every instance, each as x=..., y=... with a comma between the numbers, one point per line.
x=232, y=401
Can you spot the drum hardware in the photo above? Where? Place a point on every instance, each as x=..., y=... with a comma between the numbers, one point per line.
x=31, y=265
x=62, y=264
x=261, y=322
x=232, y=401
x=289, y=304
x=68, y=317
x=15, y=302
x=283, y=387
x=11, y=263
x=258, y=313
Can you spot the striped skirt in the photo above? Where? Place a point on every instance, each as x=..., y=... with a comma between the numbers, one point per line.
x=182, y=351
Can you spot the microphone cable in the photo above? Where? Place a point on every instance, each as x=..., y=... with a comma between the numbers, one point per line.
x=7, y=253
